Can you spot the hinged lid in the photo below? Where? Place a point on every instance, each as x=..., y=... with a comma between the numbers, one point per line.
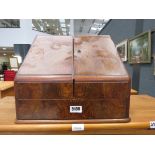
x=49, y=58
x=96, y=58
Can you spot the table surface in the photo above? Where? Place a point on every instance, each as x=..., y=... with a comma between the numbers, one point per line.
x=134, y=92
x=6, y=84
x=142, y=111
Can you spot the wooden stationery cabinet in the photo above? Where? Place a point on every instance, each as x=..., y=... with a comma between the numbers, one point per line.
x=71, y=80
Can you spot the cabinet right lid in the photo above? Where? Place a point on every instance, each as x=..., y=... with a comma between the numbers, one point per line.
x=96, y=58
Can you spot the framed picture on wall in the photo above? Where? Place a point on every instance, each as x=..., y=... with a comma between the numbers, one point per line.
x=139, y=48
x=153, y=49
x=14, y=63
x=154, y=65
x=122, y=50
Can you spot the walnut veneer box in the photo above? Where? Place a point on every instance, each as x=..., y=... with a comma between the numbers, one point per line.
x=68, y=80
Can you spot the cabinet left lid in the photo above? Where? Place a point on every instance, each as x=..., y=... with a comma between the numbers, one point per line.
x=49, y=56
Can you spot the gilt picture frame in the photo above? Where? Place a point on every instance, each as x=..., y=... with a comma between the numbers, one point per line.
x=139, y=48
x=154, y=65
x=122, y=50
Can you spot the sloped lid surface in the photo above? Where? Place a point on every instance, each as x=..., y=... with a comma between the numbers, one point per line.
x=49, y=55
x=82, y=58
x=96, y=56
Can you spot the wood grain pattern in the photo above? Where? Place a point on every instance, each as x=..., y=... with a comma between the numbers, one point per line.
x=142, y=111
x=43, y=90
x=49, y=55
x=6, y=88
x=102, y=90
x=97, y=55
x=60, y=109
x=59, y=72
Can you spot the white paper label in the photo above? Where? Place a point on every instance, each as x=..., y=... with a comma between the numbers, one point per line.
x=77, y=127
x=75, y=109
x=152, y=124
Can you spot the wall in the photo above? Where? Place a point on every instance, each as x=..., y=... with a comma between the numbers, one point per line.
x=22, y=35
x=21, y=50
x=121, y=29
x=19, y=38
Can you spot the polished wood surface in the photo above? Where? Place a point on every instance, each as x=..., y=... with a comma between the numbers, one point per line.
x=100, y=75
x=60, y=71
x=43, y=90
x=97, y=55
x=49, y=55
x=142, y=111
x=6, y=84
x=6, y=88
x=58, y=110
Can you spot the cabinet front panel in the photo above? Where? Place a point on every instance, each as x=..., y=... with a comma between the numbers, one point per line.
x=101, y=90
x=43, y=90
x=61, y=109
